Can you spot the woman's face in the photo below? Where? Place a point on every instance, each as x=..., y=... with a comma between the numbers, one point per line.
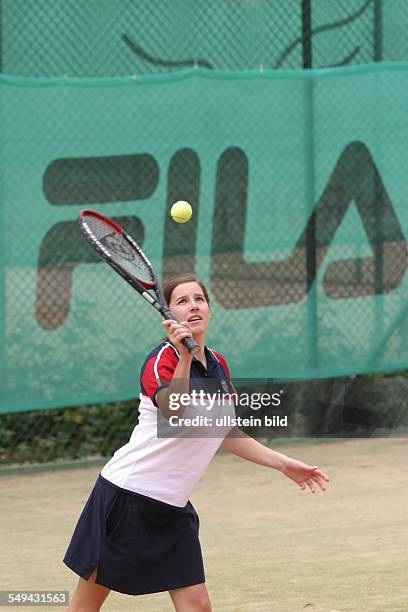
x=188, y=304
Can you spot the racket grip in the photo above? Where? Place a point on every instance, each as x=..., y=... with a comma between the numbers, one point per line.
x=190, y=344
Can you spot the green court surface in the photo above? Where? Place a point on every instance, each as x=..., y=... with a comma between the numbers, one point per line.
x=267, y=545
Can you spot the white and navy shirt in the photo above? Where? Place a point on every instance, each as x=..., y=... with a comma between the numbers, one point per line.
x=166, y=468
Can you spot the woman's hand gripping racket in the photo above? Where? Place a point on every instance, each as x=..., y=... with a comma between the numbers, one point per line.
x=121, y=252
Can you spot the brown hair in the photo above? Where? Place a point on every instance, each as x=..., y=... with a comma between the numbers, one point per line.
x=175, y=281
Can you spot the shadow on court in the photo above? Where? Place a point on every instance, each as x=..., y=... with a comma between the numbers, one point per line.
x=267, y=545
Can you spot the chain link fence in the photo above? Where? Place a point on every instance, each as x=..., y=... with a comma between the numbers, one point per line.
x=91, y=38
x=297, y=182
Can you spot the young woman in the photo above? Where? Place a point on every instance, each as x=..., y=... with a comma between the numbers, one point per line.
x=138, y=533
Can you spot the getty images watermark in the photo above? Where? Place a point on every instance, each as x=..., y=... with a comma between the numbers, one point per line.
x=285, y=408
x=214, y=412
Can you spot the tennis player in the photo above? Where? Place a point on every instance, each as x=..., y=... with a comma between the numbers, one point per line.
x=138, y=532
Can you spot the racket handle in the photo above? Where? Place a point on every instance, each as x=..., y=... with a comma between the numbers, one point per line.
x=190, y=344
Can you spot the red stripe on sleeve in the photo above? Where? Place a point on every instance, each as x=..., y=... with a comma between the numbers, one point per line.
x=158, y=372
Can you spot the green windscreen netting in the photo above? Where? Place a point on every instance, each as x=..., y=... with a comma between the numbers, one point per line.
x=298, y=228
x=296, y=178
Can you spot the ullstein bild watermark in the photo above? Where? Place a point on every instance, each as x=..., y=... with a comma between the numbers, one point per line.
x=228, y=421
x=201, y=413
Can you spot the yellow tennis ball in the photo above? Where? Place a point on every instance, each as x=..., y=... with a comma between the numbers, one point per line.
x=181, y=212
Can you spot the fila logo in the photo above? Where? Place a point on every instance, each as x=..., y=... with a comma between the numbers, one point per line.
x=235, y=282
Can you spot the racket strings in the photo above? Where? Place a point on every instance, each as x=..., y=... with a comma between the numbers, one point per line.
x=121, y=251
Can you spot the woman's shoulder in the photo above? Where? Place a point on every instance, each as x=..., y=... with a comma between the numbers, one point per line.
x=164, y=350
x=164, y=346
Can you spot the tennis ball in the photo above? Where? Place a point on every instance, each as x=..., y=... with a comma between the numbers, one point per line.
x=181, y=212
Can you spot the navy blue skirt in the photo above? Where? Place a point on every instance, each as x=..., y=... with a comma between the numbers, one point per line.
x=138, y=545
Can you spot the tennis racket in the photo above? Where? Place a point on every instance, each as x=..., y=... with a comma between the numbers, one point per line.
x=121, y=252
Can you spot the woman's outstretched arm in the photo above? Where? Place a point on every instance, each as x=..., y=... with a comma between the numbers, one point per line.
x=304, y=475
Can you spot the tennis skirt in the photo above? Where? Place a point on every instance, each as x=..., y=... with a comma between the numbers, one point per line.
x=138, y=545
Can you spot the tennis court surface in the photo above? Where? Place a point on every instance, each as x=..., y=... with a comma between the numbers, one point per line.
x=267, y=545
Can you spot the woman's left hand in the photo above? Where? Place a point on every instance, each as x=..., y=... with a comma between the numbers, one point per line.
x=304, y=475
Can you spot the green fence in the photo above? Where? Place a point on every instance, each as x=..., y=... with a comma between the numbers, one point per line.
x=298, y=228
x=107, y=37
x=297, y=182
x=296, y=179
